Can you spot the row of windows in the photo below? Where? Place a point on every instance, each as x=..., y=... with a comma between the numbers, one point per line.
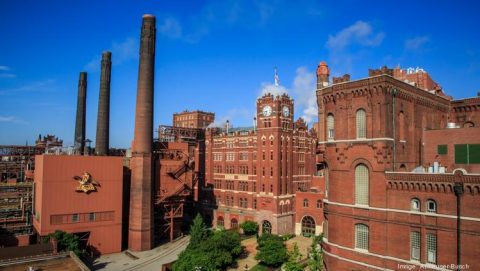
x=431, y=205
x=242, y=202
x=362, y=242
x=81, y=217
x=319, y=203
x=361, y=125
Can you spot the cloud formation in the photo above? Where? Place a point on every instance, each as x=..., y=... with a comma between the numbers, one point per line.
x=11, y=119
x=170, y=27
x=302, y=90
x=350, y=44
x=416, y=43
x=44, y=85
x=4, y=72
x=122, y=52
x=358, y=33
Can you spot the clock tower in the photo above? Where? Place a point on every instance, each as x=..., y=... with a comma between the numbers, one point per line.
x=274, y=150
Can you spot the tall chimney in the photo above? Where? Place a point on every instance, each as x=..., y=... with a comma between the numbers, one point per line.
x=140, y=235
x=79, y=141
x=103, y=118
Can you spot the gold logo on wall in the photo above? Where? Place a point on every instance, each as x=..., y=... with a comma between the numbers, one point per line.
x=87, y=184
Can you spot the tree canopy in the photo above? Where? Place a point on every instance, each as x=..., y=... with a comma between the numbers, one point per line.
x=271, y=250
x=211, y=251
x=249, y=227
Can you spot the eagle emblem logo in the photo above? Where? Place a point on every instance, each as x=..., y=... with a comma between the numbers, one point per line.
x=87, y=184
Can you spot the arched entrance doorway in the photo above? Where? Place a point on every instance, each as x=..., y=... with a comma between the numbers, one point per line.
x=234, y=224
x=308, y=226
x=266, y=227
x=220, y=222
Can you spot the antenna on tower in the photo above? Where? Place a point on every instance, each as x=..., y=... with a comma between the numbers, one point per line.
x=277, y=80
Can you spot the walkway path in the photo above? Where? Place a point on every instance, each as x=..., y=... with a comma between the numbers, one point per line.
x=151, y=260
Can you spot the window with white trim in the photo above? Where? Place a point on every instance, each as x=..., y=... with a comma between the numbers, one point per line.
x=230, y=156
x=361, y=124
x=415, y=205
x=431, y=248
x=431, y=206
x=415, y=245
x=217, y=156
x=361, y=236
x=330, y=127
x=361, y=185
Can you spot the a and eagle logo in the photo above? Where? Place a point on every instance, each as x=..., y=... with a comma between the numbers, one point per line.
x=87, y=184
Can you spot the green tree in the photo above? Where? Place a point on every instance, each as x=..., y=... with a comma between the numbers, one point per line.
x=198, y=232
x=249, y=227
x=67, y=242
x=294, y=258
x=271, y=250
x=214, y=252
x=315, y=261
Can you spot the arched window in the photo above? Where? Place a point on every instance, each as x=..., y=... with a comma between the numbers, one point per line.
x=319, y=203
x=361, y=236
x=431, y=206
x=330, y=127
x=266, y=227
x=468, y=124
x=220, y=222
x=401, y=124
x=361, y=185
x=308, y=226
x=361, y=124
x=305, y=203
x=234, y=224
x=415, y=205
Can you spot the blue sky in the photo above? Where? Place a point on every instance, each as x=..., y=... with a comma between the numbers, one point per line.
x=216, y=56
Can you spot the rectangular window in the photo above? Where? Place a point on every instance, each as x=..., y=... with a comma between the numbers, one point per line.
x=467, y=153
x=230, y=156
x=361, y=236
x=442, y=149
x=415, y=245
x=91, y=216
x=217, y=156
x=431, y=248
x=75, y=218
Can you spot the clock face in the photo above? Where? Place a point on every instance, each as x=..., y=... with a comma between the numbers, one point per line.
x=286, y=111
x=267, y=111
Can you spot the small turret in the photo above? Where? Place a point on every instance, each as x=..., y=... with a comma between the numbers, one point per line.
x=323, y=73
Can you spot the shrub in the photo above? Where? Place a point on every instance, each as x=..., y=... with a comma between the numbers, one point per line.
x=249, y=227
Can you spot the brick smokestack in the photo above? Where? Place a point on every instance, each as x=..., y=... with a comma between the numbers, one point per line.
x=140, y=235
x=103, y=118
x=79, y=141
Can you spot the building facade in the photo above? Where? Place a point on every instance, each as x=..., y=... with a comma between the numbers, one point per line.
x=254, y=174
x=81, y=195
x=396, y=192
x=193, y=119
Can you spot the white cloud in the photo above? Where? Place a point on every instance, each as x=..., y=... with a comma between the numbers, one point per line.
x=11, y=119
x=4, y=68
x=242, y=115
x=304, y=90
x=272, y=89
x=7, y=75
x=121, y=52
x=170, y=27
x=350, y=46
x=416, y=43
x=44, y=85
x=358, y=33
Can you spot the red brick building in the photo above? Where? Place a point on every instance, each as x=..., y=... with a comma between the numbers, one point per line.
x=254, y=174
x=93, y=210
x=395, y=171
x=193, y=119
